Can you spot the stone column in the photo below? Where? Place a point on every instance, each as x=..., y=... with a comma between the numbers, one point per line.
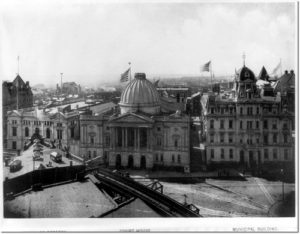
x=123, y=137
x=126, y=137
x=135, y=138
x=138, y=139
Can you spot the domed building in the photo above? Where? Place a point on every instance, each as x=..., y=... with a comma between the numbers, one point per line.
x=141, y=134
x=140, y=95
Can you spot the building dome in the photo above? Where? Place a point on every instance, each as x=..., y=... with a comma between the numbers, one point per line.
x=140, y=95
x=245, y=74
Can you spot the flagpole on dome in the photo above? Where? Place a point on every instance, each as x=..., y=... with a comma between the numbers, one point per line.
x=129, y=71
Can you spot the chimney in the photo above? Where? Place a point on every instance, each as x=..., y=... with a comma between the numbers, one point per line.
x=292, y=72
x=286, y=72
x=27, y=83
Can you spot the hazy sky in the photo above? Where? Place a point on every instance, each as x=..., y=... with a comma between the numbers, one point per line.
x=93, y=41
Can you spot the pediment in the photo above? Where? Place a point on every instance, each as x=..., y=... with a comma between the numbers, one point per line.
x=131, y=118
x=13, y=114
x=57, y=116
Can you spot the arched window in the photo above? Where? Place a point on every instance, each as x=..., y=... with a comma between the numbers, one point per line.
x=48, y=133
x=26, y=132
x=176, y=143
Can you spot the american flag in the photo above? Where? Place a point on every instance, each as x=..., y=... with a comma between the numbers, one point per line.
x=125, y=75
x=274, y=72
x=206, y=67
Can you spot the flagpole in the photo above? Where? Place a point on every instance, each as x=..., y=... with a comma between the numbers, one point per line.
x=129, y=71
x=211, y=76
x=18, y=86
x=280, y=68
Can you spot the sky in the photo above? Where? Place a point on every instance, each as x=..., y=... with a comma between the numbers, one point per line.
x=91, y=42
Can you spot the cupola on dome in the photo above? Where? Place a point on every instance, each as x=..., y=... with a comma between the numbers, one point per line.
x=140, y=95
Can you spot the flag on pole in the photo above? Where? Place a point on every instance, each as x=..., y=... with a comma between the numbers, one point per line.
x=125, y=75
x=156, y=83
x=274, y=72
x=206, y=67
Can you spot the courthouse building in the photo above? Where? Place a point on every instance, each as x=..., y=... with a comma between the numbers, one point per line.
x=247, y=125
x=140, y=134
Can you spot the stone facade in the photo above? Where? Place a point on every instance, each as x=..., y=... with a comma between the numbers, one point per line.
x=247, y=126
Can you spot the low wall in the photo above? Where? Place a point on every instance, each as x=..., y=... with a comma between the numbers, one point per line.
x=44, y=177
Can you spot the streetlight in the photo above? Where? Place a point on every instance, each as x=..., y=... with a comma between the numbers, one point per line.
x=282, y=174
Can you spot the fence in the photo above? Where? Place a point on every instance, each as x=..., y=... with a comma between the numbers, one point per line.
x=43, y=177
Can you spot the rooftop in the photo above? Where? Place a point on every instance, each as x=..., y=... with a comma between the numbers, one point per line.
x=73, y=200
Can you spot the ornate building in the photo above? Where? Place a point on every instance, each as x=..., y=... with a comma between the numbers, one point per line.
x=140, y=134
x=15, y=95
x=247, y=125
x=63, y=128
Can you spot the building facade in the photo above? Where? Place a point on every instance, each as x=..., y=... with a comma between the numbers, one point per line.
x=15, y=95
x=248, y=126
x=63, y=128
x=140, y=134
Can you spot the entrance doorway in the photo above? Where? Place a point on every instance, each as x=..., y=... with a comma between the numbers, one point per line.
x=118, y=161
x=143, y=162
x=130, y=161
x=242, y=157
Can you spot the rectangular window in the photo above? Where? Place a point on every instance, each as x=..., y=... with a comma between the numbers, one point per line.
x=173, y=158
x=249, y=124
x=211, y=138
x=249, y=110
x=266, y=154
x=158, y=141
x=266, y=139
x=222, y=123
x=222, y=136
x=230, y=138
x=285, y=126
x=231, y=153
x=14, y=131
x=274, y=153
x=257, y=110
x=212, y=110
x=285, y=138
x=178, y=158
x=90, y=154
x=158, y=129
x=95, y=154
x=257, y=140
x=230, y=124
x=241, y=110
x=286, y=154
x=241, y=124
x=107, y=141
x=274, y=138
x=274, y=124
x=212, y=153
x=156, y=157
x=211, y=123
x=222, y=154
x=265, y=124
x=92, y=140
x=14, y=145
x=161, y=157
x=257, y=124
